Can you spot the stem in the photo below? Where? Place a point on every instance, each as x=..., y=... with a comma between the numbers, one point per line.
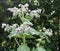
x=17, y=42
x=22, y=18
x=23, y=39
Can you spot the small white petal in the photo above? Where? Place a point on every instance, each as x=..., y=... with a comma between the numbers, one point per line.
x=26, y=5
x=52, y=12
x=3, y=25
x=15, y=25
x=48, y=32
x=20, y=5
x=44, y=29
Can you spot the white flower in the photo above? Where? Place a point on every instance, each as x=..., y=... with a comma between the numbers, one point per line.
x=20, y=5
x=27, y=14
x=52, y=1
x=19, y=29
x=26, y=5
x=27, y=28
x=44, y=29
x=7, y=29
x=37, y=15
x=14, y=10
x=39, y=10
x=24, y=8
x=3, y=25
x=15, y=25
x=23, y=28
x=34, y=13
x=48, y=32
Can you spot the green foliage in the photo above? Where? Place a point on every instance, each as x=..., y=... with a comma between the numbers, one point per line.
x=40, y=49
x=33, y=31
x=12, y=34
x=23, y=48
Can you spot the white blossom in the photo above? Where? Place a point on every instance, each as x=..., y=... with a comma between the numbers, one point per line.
x=27, y=28
x=38, y=10
x=26, y=5
x=27, y=14
x=34, y=13
x=7, y=29
x=3, y=25
x=48, y=32
x=44, y=29
x=19, y=29
x=37, y=15
x=20, y=5
x=14, y=10
x=24, y=8
x=14, y=25
x=52, y=1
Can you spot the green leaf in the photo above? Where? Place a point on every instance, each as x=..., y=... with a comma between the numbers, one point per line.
x=29, y=36
x=23, y=48
x=33, y=31
x=12, y=34
x=40, y=49
x=47, y=39
x=41, y=34
x=24, y=19
x=14, y=17
x=43, y=41
x=29, y=18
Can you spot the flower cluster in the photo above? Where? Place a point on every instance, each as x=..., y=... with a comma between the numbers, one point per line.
x=19, y=28
x=14, y=10
x=47, y=31
x=24, y=9
x=35, y=13
x=8, y=27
